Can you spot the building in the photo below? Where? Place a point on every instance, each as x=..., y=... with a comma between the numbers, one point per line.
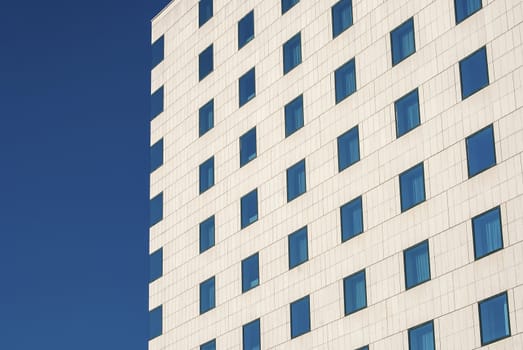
x=336, y=174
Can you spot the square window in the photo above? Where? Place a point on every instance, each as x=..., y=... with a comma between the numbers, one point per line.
x=407, y=113
x=155, y=265
x=156, y=209
x=416, y=264
x=298, y=248
x=204, y=11
x=402, y=41
x=355, y=292
x=155, y=322
x=247, y=87
x=300, y=317
x=351, y=219
x=251, y=335
x=422, y=337
x=157, y=52
x=206, y=175
x=205, y=61
x=412, y=187
x=207, y=234
x=156, y=103
x=473, y=71
x=296, y=185
x=481, y=152
x=293, y=116
x=287, y=4
x=348, y=148
x=250, y=273
x=207, y=295
x=206, y=117
x=494, y=319
x=210, y=345
x=249, y=208
x=246, y=29
x=156, y=155
x=345, y=80
x=291, y=53
x=341, y=17
x=466, y=8
x=487, y=234
x=247, y=146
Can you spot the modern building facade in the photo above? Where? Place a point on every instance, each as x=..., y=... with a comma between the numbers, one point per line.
x=337, y=174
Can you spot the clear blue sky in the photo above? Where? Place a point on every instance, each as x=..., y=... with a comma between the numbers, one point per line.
x=74, y=148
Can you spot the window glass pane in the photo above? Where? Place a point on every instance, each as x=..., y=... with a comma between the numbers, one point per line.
x=287, y=4
x=298, y=247
x=351, y=219
x=206, y=174
x=248, y=147
x=157, y=103
x=366, y=347
x=204, y=11
x=296, y=180
x=355, y=292
x=205, y=60
x=157, y=155
x=293, y=115
x=417, y=265
x=211, y=345
x=348, y=148
x=247, y=87
x=246, y=29
x=407, y=113
x=422, y=337
x=207, y=234
x=157, y=52
x=494, y=319
x=487, y=233
x=207, y=295
x=249, y=208
x=206, y=117
x=250, y=273
x=251, y=335
x=481, y=152
x=474, y=72
x=345, y=80
x=341, y=17
x=155, y=322
x=412, y=187
x=155, y=265
x=291, y=53
x=465, y=8
x=156, y=209
x=403, y=42
x=300, y=317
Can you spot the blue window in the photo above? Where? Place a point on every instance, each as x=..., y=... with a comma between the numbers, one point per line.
x=156, y=103
x=298, y=247
x=341, y=16
x=155, y=322
x=300, y=317
x=348, y=148
x=246, y=29
x=207, y=234
x=402, y=41
x=351, y=219
x=249, y=208
x=412, y=187
x=210, y=345
x=205, y=60
x=473, y=71
x=247, y=87
x=247, y=147
x=345, y=80
x=366, y=347
x=251, y=335
x=296, y=180
x=206, y=117
x=287, y=4
x=156, y=209
x=157, y=52
x=466, y=8
x=206, y=174
x=204, y=11
x=417, y=265
x=481, y=152
x=422, y=337
x=487, y=235
x=250, y=273
x=293, y=116
x=494, y=319
x=407, y=113
x=291, y=53
x=355, y=292
x=156, y=155
x=155, y=265
x=207, y=295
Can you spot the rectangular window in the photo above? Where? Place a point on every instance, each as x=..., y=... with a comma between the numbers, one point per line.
x=403, y=41
x=494, y=319
x=466, y=8
x=204, y=11
x=205, y=62
x=246, y=29
x=206, y=175
x=473, y=71
x=486, y=231
x=412, y=187
x=156, y=155
x=157, y=52
x=155, y=322
x=422, y=337
x=156, y=209
x=296, y=184
x=366, y=347
x=481, y=151
x=292, y=53
x=287, y=4
x=210, y=345
x=417, y=265
x=251, y=335
x=249, y=208
x=348, y=148
x=345, y=80
x=247, y=87
x=155, y=265
x=207, y=234
x=407, y=113
x=300, y=317
x=247, y=146
x=207, y=295
x=157, y=103
x=341, y=17
x=355, y=292
x=351, y=219
x=250, y=273
x=298, y=248
x=206, y=117
x=293, y=116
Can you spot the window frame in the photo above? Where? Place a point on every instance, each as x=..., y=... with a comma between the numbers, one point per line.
x=402, y=206
x=405, y=252
x=345, y=282
x=209, y=220
x=414, y=328
x=294, y=180
x=153, y=261
x=156, y=155
x=245, y=79
x=286, y=7
x=203, y=113
x=157, y=99
x=206, y=345
x=246, y=160
x=154, y=219
x=156, y=47
x=254, y=323
x=408, y=21
x=350, y=64
x=477, y=133
x=288, y=49
x=484, y=343
x=206, y=62
x=458, y=21
x=495, y=209
x=211, y=294
x=244, y=271
x=349, y=203
x=203, y=187
x=333, y=9
x=348, y=134
x=399, y=101
x=246, y=24
x=201, y=6
x=244, y=197
x=298, y=303
x=154, y=313
x=462, y=61
x=289, y=110
x=301, y=231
